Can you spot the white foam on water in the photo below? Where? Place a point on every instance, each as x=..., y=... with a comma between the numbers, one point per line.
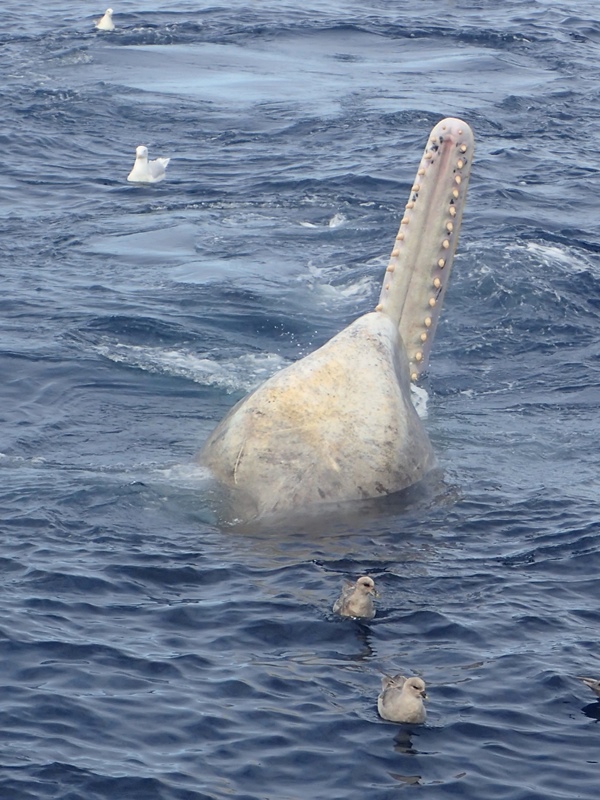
x=243, y=373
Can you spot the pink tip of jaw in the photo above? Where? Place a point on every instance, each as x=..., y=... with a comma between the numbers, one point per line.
x=456, y=128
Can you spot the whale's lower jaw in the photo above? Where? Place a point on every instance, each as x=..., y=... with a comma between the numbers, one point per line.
x=419, y=267
x=337, y=426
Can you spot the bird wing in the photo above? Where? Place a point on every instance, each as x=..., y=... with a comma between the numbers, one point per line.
x=393, y=681
x=593, y=683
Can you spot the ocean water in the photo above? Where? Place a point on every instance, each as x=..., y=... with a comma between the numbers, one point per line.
x=148, y=651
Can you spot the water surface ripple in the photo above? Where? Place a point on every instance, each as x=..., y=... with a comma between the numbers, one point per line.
x=147, y=652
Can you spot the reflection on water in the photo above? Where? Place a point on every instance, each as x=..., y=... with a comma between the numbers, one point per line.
x=403, y=741
x=592, y=710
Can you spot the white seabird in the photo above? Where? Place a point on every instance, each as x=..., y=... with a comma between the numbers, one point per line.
x=356, y=599
x=145, y=171
x=106, y=23
x=401, y=699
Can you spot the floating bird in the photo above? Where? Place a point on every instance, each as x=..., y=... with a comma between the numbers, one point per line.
x=145, y=171
x=592, y=683
x=356, y=599
x=106, y=23
x=401, y=699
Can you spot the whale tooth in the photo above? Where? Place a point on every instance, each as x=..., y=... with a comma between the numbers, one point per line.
x=449, y=227
x=455, y=192
x=404, y=221
x=427, y=322
x=457, y=179
x=445, y=244
x=410, y=204
x=400, y=237
x=416, y=188
x=460, y=163
x=441, y=263
x=379, y=307
x=418, y=356
x=452, y=211
x=437, y=283
x=423, y=337
x=391, y=267
x=463, y=148
x=421, y=171
x=395, y=252
x=432, y=301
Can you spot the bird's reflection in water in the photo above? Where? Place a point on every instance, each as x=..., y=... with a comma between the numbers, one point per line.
x=411, y=780
x=363, y=635
x=403, y=742
x=592, y=710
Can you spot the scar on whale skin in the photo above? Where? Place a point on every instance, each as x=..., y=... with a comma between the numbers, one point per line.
x=339, y=425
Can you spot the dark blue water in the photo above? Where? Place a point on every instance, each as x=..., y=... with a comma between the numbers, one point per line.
x=148, y=652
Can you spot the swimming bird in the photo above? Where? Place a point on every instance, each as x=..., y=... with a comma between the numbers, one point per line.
x=356, y=599
x=145, y=171
x=401, y=699
x=592, y=683
x=106, y=23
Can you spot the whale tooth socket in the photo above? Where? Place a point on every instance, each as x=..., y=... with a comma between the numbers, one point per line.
x=437, y=283
x=457, y=179
x=418, y=356
x=432, y=301
x=428, y=322
x=454, y=192
x=449, y=227
x=445, y=244
x=460, y=163
x=441, y=263
x=463, y=148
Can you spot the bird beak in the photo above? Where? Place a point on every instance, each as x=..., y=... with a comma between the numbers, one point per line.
x=424, y=695
x=374, y=592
